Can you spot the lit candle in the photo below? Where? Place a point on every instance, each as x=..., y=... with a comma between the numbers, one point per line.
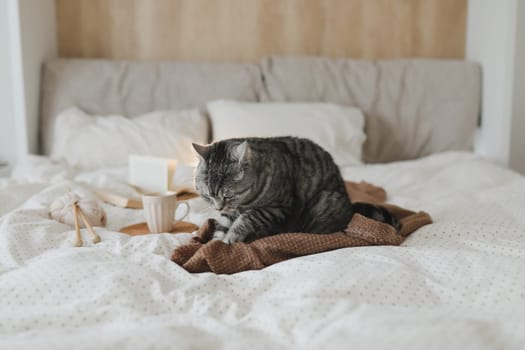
x=152, y=174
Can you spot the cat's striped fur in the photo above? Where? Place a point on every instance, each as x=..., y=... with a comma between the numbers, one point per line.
x=265, y=186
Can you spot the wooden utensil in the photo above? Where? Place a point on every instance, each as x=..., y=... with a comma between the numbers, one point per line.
x=78, y=238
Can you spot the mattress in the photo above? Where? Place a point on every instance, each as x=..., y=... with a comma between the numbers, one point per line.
x=456, y=284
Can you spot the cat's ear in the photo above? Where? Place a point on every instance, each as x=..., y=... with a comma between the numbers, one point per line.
x=241, y=151
x=202, y=151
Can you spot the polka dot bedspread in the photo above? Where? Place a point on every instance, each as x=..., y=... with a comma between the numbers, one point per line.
x=456, y=284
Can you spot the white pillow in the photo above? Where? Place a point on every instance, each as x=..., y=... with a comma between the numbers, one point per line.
x=337, y=129
x=90, y=142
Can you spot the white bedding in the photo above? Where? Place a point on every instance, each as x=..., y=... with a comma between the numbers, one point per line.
x=456, y=284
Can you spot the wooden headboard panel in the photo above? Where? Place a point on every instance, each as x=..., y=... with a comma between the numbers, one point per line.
x=246, y=30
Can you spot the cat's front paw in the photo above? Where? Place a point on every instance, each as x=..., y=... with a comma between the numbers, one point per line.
x=229, y=239
x=219, y=235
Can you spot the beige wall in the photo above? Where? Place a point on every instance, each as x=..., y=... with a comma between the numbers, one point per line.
x=245, y=30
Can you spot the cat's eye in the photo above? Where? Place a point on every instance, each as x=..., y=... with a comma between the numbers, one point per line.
x=239, y=176
x=227, y=195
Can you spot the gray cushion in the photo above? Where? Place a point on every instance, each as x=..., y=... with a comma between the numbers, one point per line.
x=134, y=88
x=413, y=107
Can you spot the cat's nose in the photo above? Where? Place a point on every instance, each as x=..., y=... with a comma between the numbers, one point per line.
x=218, y=204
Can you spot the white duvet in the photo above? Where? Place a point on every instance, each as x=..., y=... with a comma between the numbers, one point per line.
x=456, y=284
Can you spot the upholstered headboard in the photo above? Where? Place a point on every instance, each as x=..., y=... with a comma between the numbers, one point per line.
x=133, y=88
x=413, y=107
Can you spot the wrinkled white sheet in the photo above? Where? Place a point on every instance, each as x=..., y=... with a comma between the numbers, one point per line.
x=456, y=284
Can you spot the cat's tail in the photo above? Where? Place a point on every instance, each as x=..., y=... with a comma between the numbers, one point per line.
x=376, y=212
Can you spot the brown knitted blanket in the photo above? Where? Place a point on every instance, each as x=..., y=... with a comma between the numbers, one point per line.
x=203, y=255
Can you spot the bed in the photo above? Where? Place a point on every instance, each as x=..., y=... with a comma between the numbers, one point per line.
x=457, y=283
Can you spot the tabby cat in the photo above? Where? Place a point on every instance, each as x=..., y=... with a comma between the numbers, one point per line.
x=265, y=186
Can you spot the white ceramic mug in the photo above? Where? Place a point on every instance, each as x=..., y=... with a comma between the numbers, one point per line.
x=159, y=210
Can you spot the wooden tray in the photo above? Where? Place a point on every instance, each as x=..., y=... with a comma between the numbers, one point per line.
x=142, y=228
x=185, y=194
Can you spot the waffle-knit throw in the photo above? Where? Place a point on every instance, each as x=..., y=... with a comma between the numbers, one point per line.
x=203, y=255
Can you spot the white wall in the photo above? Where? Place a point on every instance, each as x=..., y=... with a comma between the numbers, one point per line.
x=27, y=38
x=490, y=41
x=7, y=121
x=495, y=38
x=38, y=41
x=517, y=145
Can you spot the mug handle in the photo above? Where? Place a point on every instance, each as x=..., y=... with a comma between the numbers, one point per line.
x=186, y=213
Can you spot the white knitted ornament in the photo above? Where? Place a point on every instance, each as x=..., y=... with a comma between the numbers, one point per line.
x=62, y=210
